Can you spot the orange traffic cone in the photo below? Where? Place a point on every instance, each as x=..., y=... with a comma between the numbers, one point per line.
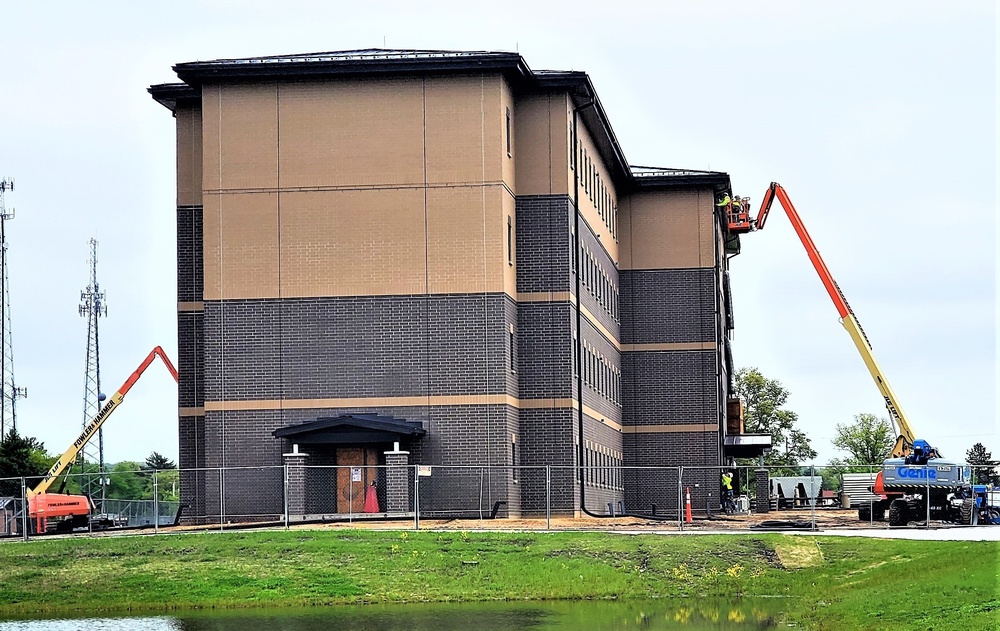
x=371, y=499
x=687, y=504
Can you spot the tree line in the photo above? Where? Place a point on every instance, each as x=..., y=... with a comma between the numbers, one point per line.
x=866, y=441
x=24, y=456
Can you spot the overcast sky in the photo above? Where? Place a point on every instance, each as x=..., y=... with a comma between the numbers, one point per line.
x=878, y=118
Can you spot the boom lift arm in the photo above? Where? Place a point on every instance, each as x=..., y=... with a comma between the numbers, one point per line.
x=905, y=437
x=95, y=423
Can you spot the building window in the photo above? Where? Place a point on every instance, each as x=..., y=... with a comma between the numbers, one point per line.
x=510, y=338
x=510, y=240
x=572, y=147
x=575, y=354
x=572, y=250
x=513, y=456
x=508, y=133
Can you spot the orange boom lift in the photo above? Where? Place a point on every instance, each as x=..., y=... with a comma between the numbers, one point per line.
x=77, y=508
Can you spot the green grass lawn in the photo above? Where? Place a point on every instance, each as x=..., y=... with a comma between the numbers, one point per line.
x=823, y=582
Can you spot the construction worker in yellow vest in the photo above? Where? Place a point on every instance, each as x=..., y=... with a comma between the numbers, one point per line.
x=727, y=492
x=725, y=202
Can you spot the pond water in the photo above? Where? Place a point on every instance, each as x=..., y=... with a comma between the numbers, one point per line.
x=534, y=616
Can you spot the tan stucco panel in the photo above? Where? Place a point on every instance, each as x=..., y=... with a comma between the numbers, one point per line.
x=466, y=247
x=667, y=229
x=351, y=133
x=243, y=119
x=542, y=146
x=241, y=246
x=352, y=243
x=464, y=124
x=189, y=167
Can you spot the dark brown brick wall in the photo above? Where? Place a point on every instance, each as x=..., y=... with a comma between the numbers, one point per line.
x=190, y=359
x=543, y=243
x=358, y=347
x=676, y=305
x=669, y=387
x=190, y=260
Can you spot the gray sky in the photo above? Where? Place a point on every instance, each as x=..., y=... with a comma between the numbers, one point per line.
x=878, y=118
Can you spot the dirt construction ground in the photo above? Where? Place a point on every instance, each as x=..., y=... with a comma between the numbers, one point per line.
x=800, y=519
x=827, y=522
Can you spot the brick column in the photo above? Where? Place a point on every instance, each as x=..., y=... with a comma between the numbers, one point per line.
x=296, y=461
x=397, y=480
x=763, y=488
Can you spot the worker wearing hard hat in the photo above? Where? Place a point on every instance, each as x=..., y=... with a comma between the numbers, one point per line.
x=725, y=201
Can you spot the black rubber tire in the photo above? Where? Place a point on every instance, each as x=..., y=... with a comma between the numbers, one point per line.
x=865, y=512
x=970, y=516
x=878, y=514
x=898, y=513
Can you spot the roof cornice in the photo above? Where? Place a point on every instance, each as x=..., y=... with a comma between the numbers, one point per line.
x=381, y=62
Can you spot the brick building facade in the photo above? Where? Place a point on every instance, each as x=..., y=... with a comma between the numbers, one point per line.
x=375, y=241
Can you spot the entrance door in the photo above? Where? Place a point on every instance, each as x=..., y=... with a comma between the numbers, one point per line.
x=355, y=472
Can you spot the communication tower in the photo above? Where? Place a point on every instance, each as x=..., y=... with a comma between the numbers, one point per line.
x=92, y=308
x=9, y=393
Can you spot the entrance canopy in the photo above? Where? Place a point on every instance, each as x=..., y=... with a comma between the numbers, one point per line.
x=747, y=445
x=352, y=429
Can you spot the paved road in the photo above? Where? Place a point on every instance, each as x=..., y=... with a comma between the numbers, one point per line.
x=971, y=533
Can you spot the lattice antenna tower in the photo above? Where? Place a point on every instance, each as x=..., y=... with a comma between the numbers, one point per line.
x=9, y=392
x=92, y=308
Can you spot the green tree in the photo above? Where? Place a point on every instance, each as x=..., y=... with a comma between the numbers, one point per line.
x=168, y=483
x=20, y=456
x=159, y=462
x=986, y=473
x=129, y=481
x=868, y=440
x=763, y=399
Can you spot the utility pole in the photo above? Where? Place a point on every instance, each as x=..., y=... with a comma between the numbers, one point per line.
x=9, y=392
x=92, y=308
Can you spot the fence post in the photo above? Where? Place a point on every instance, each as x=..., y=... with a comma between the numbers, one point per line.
x=24, y=509
x=285, y=474
x=482, y=482
x=222, y=506
x=812, y=491
x=416, y=497
x=548, y=497
x=156, y=502
x=927, y=477
x=680, y=498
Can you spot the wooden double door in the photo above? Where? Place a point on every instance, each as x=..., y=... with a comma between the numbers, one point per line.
x=356, y=471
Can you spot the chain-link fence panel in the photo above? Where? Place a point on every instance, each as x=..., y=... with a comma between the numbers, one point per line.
x=12, y=506
x=467, y=492
x=252, y=494
x=648, y=492
x=342, y=492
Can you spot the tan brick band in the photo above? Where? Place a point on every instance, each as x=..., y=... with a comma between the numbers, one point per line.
x=671, y=429
x=190, y=306
x=305, y=404
x=545, y=296
x=669, y=346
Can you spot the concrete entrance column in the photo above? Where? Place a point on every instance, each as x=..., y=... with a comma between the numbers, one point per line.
x=295, y=463
x=397, y=480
